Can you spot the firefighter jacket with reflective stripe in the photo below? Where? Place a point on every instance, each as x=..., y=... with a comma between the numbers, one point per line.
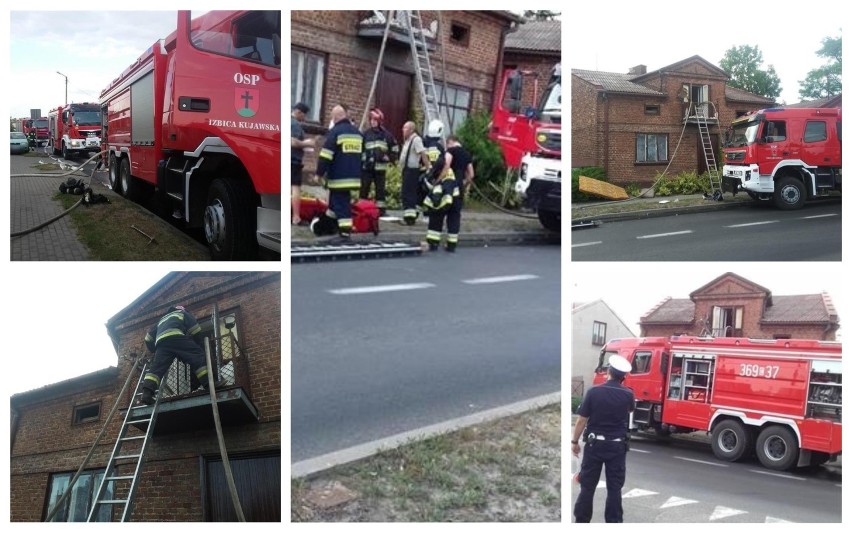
x=340, y=157
x=436, y=155
x=380, y=149
x=174, y=323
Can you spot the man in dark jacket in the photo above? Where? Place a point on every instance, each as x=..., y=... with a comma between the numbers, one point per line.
x=380, y=151
x=173, y=337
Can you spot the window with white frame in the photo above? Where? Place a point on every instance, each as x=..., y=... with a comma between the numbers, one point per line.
x=598, y=333
x=652, y=148
x=456, y=106
x=78, y=505
x=307, y=75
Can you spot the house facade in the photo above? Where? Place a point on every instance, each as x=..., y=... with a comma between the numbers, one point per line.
x=636, y=125
x=535, y=47
x=592, y=325
x=732, y=306
x=182, y=478
x=335, y=54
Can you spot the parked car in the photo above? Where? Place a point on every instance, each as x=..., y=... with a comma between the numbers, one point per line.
x=19, y=143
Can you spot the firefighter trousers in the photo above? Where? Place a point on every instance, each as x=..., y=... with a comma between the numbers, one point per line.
x=340, y=208
x=596, y=454
x=436, y=225
x=185, y=349
x=368, y=177
x=410, y=193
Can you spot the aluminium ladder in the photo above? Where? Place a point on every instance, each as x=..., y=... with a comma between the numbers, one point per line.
x=701, y=110
x=126, y=483
x=422, y=65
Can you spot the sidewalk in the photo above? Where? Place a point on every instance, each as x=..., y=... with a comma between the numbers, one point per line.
x=478, y=228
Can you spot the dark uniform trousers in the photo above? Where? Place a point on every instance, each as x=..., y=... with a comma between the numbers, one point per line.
x=411, y=192
x=597, y=454
x=368, y=177
x=185, y=349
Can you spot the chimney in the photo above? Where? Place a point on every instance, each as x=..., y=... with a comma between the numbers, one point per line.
x=638, y=70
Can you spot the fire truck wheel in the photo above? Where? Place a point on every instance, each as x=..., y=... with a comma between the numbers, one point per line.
x=550, y=220
x=730, y=440
x=65, y=153
x=113, y=173
x=789, y=193
x=777, y=448
x=229, y=220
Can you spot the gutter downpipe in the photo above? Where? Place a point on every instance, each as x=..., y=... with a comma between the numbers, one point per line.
x=606, y=133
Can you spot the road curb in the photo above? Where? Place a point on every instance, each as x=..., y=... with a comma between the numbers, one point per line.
x=469, y=240
x=317, y=465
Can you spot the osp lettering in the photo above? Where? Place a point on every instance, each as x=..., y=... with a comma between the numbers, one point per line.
x=246, y=79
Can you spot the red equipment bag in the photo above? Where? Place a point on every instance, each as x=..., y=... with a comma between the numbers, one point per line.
x=365, y=217
x=310, y=208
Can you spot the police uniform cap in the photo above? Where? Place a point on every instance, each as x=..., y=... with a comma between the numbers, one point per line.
x=620, y=364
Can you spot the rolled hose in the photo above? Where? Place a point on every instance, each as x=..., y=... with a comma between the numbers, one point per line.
x=62, y=214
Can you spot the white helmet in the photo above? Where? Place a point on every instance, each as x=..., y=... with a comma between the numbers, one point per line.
x=436, y=129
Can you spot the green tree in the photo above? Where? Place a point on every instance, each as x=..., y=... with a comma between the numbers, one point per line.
x=541, y=15
x=744, y=65
x=825, y=80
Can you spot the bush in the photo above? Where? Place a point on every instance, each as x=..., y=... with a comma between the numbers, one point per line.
x=590, y=172
x=393, y=187
x=683, y=183
x=575, y=400
x=491, y=176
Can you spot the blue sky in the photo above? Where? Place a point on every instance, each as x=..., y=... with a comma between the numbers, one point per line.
x=90, y=47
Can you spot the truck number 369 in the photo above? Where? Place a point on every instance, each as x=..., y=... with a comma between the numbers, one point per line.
x=759, y=371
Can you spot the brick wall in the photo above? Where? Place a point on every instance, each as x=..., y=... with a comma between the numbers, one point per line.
x=46, y=442
x=587, y=142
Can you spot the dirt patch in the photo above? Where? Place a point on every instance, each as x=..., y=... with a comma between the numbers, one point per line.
x=586, y=211
x=507, y=470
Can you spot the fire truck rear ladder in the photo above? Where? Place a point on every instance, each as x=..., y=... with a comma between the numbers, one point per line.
x=132, y=458
x=701, y=116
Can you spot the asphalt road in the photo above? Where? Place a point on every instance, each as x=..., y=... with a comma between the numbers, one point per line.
x=754, y=233
x=385, y=346
x=682, y=481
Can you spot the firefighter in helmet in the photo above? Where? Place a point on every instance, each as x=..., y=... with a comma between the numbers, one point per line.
x=175, y=335
x=604, y=418
x=442, y=189
x=380, y=151
x=340, y=163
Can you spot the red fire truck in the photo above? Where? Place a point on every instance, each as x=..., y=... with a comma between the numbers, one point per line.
x=35, y=130
x=531, y=140
x=74, y=129
x=788, y=155
x=778, y=398
x=197, y=119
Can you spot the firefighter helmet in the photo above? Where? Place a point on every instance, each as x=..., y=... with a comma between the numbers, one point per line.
x=178, y=308
x=436, y=129
x=377, y=115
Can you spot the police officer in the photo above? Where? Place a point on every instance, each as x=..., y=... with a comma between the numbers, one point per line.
x=173, y=337
x=604, y=419
x=340, y=162
x=380, y=150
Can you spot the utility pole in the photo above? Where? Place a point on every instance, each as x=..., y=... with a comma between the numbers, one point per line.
x=66, y=86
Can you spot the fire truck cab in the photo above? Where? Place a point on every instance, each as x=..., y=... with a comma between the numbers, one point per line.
x=788, y=155
x=781, y=399
x=74, y=129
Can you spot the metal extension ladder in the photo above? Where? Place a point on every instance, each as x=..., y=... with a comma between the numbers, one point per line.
x=124, y=486
x=701, y=110
x=422, y=65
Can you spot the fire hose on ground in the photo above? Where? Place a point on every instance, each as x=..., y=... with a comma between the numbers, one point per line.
x=62, y=214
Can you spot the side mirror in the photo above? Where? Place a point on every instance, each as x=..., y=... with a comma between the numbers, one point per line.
x=530, y=112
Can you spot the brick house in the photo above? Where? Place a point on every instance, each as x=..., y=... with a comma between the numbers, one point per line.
x=535, y=46
x=182, y=478
x=631, y=124
x=334, y=56
x=828, y=101
x=732, y=306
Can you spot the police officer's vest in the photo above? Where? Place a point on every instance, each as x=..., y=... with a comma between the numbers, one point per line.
x=340, y=157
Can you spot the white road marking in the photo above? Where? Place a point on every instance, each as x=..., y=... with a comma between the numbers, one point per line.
x=753, y=224
x=638, y=493
x=776, y=474
x=773, y=520
x=664, y=234
x=674, y=501
x=700, y=461
x=586, y=244
x=820, y=216
x=724, y=512
x=500, y=279
x=382, y=288
x=632, y=449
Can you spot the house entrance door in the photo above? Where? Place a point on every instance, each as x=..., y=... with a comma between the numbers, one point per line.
x=394, y=98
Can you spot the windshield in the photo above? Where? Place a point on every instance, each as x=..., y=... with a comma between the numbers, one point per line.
x=551, y=100
x=87, y=118
x=18, y=135
x=743, y=133
x=603, y=362
x=255, y=36
x=41, y=123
